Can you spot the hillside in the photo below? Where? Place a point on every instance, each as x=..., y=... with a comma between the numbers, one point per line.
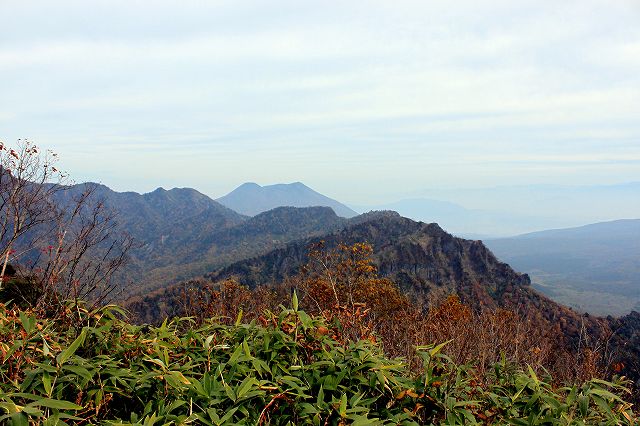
x=428, y=264
x=424, y=260
x=414, y=254
x=593, y=268
x=181, y=233
x=201, y=251
x=160, y=222
x=251, y=199
x=269, y=249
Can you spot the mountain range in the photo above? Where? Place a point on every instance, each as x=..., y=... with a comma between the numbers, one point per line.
x=422, y=258
x=505, y=211
x=185, y=234
x=182, y=233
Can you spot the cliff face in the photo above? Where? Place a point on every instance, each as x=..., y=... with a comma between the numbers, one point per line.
x=419, y=257
x=427, y=263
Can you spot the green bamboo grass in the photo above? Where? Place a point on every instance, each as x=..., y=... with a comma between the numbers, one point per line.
x=104, y=370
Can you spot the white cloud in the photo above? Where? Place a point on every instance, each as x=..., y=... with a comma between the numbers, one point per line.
x=355, y=83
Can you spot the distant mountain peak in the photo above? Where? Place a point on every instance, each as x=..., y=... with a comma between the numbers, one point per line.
x=249, y=185
x=252, y=199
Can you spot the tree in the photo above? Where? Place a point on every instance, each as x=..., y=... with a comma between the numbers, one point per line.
x=61, y=237
x=28, y=182
x=342, y=284
x=346, y=276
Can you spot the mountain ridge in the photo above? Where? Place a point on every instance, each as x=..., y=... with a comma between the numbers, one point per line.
x=182, y=233
x=428, y=264
x=415, y=254
x=423, y=259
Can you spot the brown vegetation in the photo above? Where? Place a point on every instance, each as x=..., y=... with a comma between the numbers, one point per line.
x=342, y=286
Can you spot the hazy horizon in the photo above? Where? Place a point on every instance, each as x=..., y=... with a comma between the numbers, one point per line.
x=436, y=194
x=490, y=212
x=366, y=102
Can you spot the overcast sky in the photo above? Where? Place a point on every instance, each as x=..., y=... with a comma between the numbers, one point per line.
x=363, y=101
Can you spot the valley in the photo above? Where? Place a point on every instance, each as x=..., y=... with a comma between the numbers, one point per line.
x=593, y=268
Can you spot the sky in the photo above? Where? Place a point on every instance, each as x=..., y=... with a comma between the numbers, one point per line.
x=363, y=101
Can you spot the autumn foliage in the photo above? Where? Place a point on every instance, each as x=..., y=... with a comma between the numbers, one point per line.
x=285, y=368
x=341, y=285
x=321, y=348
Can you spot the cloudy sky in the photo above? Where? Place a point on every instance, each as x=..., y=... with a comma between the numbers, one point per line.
x=363, y=101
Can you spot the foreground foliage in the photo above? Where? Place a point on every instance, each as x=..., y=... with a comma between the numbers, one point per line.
x=342, y=286
x=284, y=368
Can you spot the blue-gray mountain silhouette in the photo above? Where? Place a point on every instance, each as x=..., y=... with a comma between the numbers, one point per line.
x=251, y=199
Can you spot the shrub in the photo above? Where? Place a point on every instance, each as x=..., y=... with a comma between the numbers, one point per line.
x=287, y=370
